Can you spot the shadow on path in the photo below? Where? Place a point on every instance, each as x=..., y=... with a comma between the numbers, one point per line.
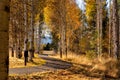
x=56, y=63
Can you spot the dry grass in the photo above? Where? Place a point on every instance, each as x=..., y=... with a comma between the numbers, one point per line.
x=74, y=58
x=18, y=63
x=102, y=67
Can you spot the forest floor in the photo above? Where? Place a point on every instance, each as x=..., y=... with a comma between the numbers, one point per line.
x=72, y=68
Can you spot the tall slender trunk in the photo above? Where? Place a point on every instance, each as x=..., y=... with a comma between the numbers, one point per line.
x=61, y=32
x=4, y=39
x=39, y=40
x=119, y=34
x=13, y=42
x=60, y=45
x=110, y=28
x=65, y=39
x=60, y=41
x=32, y=32
x=19, y=36
x=25, y=26
x=115, y=30
x=39, y=36
x=98, y=27
x=63, y=27
x=16, y=37
x=101, y=23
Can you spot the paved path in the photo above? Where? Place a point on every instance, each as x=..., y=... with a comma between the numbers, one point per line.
x=51, y=64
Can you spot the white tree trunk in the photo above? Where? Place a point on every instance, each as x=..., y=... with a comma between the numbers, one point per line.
x=110, y=28
x=101, y=19
x=98, y=27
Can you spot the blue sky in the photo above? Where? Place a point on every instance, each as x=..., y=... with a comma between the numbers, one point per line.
x=81, y=4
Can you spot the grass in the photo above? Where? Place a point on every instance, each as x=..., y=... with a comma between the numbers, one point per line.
x=74, y=58
x=98, y=67
x=19, y=63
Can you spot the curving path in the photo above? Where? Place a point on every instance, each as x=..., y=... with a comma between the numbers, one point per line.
x=51, y=64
